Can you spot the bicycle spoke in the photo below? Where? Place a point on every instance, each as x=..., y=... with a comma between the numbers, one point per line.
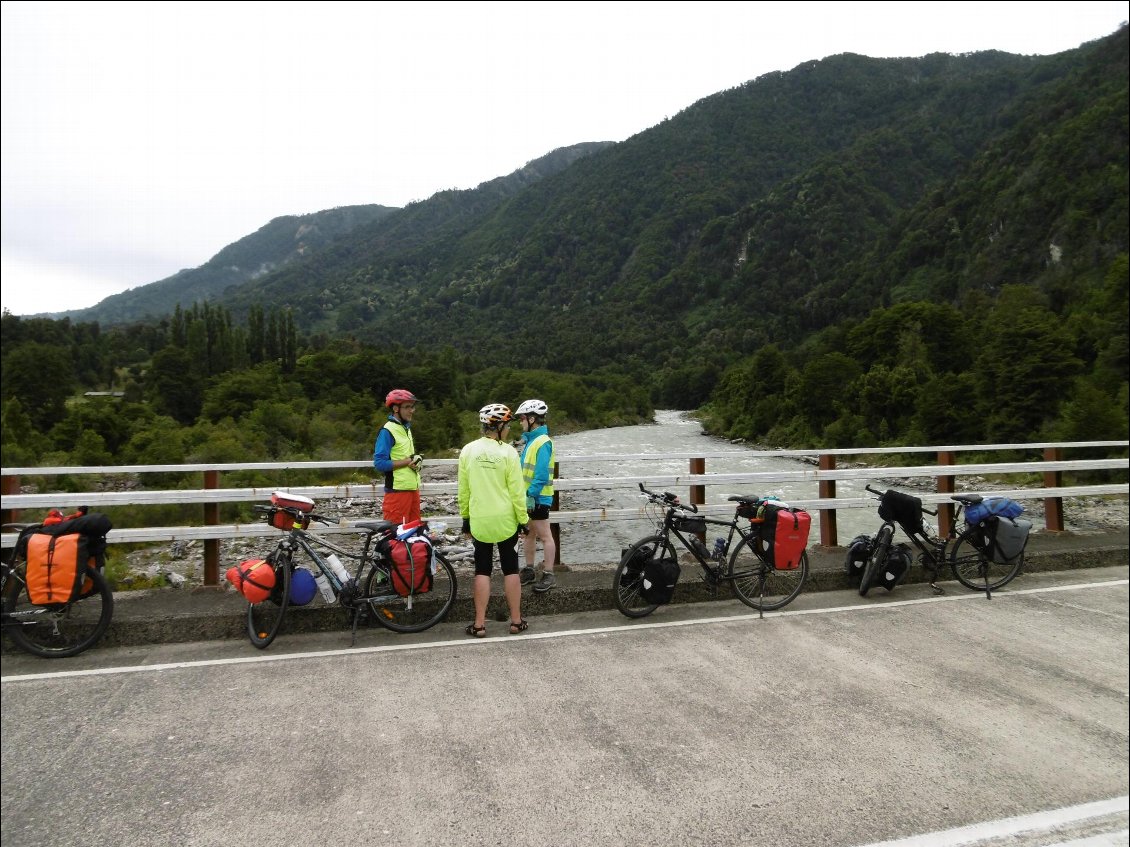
x=758, y=584
x=412, y=613
x=975, y=570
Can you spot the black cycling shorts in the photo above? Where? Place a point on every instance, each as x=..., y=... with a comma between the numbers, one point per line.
x=507, y=556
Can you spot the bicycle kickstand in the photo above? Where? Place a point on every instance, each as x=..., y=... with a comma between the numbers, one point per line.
x=356, y=619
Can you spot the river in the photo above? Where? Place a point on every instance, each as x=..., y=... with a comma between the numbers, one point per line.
x=674, y=432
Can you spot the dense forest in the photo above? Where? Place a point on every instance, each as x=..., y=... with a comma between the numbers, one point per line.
x=200, y=388
x=854, y=252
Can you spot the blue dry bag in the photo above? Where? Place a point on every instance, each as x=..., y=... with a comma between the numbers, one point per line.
x=302, y=587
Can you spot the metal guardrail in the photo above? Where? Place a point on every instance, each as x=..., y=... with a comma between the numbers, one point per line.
x=823, y=474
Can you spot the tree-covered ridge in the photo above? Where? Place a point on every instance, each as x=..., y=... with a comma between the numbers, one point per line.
x=281, y=241
x=782, y=195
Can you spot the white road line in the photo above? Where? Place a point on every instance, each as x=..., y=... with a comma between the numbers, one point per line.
x=498, y=642
x=1039, y=821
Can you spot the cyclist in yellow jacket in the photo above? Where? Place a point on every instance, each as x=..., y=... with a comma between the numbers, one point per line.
x=492, y=503
x=395, y=456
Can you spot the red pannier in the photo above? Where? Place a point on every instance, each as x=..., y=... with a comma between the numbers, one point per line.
x=785, y=533
x=411, y=571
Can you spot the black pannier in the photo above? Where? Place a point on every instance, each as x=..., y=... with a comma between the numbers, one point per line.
x=659, y=579
x=859, y=551
x=892, y=571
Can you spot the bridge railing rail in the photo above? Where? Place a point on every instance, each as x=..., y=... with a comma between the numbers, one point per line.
x=1034, y=479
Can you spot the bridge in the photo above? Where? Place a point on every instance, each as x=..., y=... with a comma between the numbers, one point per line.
x=941, y=467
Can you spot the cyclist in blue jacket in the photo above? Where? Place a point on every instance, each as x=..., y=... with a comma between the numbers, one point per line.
x=538, y=459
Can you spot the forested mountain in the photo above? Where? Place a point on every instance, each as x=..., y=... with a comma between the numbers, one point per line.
x=856, y=251
x=792, y=201
x=336, y=233
x=281, y=241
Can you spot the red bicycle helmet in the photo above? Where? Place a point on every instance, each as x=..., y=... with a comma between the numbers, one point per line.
x=398, y=396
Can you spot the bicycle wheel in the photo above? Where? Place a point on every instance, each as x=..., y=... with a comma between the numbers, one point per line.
x=58, y=630
x=973, y=567
x=758, y=584
x=627, y=582
x=413, y=613
x=876, y=560
x=264, y=619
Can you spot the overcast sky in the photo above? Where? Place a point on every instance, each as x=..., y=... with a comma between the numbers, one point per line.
x=142, y=138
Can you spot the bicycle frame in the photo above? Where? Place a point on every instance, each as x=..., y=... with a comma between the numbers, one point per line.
x=745, y=563
x=376, y=590
x=936, y=552
x=715, y=571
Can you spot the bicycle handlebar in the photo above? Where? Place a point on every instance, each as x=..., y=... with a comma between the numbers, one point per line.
x=667, y=499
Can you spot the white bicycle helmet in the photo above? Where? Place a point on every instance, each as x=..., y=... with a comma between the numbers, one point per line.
x=532, y=407
x=495, y=415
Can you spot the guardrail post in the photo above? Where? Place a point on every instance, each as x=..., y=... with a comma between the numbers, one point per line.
x=1053, y=506
x=827, y=491
x=211, y=545
x=555, y=528
x=945, y=486
x=698, y=492
x=10, y=485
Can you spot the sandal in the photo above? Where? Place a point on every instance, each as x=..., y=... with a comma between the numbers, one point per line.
x=520, y=626
x=476, y=631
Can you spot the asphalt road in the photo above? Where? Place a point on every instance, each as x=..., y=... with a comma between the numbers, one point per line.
x=915, y=719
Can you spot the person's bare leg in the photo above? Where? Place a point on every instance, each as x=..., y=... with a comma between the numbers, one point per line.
x=541, y=529
x=513, y=588
x=481, y=595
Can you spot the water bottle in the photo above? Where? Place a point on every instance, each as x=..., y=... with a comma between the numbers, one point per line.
x=719, y=548
x=324, y=587
x=699, y=547
x=338, y=568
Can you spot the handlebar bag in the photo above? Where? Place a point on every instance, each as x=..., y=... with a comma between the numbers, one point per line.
x=659, y=579
x=993, y=506
x=903, y=509
x=286, y=500
x=691, y=524
x=411, y=571
x=785, y=533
